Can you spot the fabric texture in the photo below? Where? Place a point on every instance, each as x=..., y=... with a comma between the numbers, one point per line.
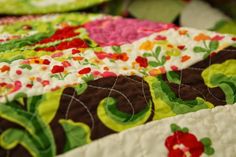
x=67, y=80
x=44, y=6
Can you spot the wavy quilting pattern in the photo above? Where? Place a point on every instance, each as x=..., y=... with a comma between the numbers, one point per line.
x=67, y=80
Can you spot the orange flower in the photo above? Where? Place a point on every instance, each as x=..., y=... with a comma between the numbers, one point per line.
x=106, y=68
x=185, y=58
x=148, y=45
x=183, y=32
x=5, y=68
x=201, y=37
x=44, y=68
x=155, y=72
x=168, y=57
x=78, y=58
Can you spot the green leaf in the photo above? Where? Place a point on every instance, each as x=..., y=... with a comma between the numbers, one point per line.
x=18, y=43
x=198, y=49
x=153, y=63
x=156, y=10
x=49, y=105
x=206, y=141
x=88, y=78
x=38, y=131
x=173, y=77
x=163, y=60
x=185, y=130
x=209, y=150
x=77, y=134
x=147, y=55
x=12, y=137
x=26, y=66
x=81, y=88
x=116, y=49
x=175, y=127
x=214, y=45
x=33, y=103
x=157, y=52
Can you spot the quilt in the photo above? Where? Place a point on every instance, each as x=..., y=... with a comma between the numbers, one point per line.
x=70, y=83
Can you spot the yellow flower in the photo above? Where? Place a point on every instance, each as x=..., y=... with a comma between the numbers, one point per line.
x=148, y=45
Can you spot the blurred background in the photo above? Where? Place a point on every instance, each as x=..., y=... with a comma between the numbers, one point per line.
x=217, y=15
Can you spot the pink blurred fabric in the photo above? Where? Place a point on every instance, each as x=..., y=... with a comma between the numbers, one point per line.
x=118, y=31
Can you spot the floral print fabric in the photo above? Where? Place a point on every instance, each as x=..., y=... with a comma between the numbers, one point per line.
x=55, y=62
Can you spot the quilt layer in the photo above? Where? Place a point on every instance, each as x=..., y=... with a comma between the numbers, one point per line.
x=67, y=81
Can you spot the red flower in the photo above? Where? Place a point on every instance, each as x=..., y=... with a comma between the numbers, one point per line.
x=143, y=62
x=29, y=85
x=182, y=143
x=159, y=37
x=174, y=68
x=101, y=55
x=60, y=34
x=74, y=51
x=66, y=64
x=234, y=38
x=85, y=70
x=181, y=47
x=18, y=72
x=57, y=69
x=75, y=43
x=122, y=56
x=46, y=62
x=16, y=87
x=45, y=83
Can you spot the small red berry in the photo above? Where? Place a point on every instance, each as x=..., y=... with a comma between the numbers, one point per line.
x=29, y=85
x=181, y=47
x=45, y=83
x=18, y=72
x=174, y=68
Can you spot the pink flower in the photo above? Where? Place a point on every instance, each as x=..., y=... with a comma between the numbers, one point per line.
x=108, y=74
x=217, y=38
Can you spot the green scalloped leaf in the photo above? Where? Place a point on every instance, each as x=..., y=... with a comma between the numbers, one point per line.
x=77, y=134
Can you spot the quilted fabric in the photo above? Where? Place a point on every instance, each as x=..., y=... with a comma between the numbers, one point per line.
x=67, y=80
x=44, y=6
x=149, y=140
